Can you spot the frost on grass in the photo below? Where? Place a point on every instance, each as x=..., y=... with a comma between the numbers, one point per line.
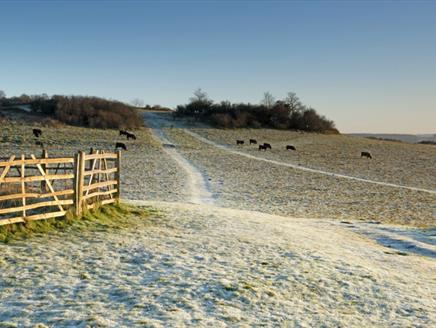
x=207, y=266
x=395, y=162
x=246, y=183
x=147, y=172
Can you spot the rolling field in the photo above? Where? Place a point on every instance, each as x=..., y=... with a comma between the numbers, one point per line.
x=395, y=162
x=236, y=237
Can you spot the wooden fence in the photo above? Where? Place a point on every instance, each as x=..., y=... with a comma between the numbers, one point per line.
x=41, y=188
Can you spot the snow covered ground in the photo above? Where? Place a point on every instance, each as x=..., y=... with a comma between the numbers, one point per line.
x=208, y=266
x=225, y=249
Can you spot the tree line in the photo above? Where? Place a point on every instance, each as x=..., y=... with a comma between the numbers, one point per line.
x=289, y=113
x=85, y=111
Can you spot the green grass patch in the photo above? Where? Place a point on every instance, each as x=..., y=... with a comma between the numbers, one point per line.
x=102, y=218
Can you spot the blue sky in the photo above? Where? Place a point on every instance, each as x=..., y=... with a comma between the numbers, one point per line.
x=370, y=66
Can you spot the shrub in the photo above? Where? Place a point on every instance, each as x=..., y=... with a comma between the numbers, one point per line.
x=78, y=110
x=427, y=142
x=331, y=131
x=240, y=120
x=96, y=113
x=221, y=120
x=282, y=115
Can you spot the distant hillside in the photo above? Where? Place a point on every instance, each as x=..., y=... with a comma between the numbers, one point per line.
x=83, y=111
x=411, y=138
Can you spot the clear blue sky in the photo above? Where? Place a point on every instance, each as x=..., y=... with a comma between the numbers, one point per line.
x=369, y=66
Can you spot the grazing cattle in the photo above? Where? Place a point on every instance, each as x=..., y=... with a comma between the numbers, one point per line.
x=123, y=133
x=366, y=154
x=37, y=132
x=290, y=147
x=267, y=145
x=120, y=145
x=239, y=142
x=253, y=141
x=262, y=147
x=39, y=143
x=130, y=136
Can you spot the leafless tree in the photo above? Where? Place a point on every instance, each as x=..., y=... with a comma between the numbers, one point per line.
x=268, y=100
x=200, y=96
x=293, y=102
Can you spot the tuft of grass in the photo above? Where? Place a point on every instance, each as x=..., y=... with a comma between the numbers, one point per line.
x=101, y=218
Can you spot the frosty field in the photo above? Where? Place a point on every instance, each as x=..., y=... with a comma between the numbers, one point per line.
x=240, y=237
x=200, y=265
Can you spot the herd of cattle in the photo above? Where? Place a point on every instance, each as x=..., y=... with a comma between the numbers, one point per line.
x=120, y=145
x=266, y=146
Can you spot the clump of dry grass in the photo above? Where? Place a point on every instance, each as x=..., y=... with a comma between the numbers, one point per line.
x=116, y=216
x=51, y=123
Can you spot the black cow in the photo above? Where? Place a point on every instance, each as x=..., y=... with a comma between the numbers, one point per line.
x=239, y=142
x=120, y=145
x=130, y=136
x=37, y=132
x=262, y=147
x=253, y=141
x=267, y=145
x=123, y=133
x=290, y=147
x=366, y=154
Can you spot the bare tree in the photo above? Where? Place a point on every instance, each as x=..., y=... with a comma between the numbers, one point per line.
x=293, y=102
x=200, y=96
x=199, y=103
x=138, y=102
x=268, y=100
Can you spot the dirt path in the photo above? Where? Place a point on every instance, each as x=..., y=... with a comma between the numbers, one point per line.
x=307, y=169
x=207, y=266
x=397, y=238
x=165, y=120
x=196, y=188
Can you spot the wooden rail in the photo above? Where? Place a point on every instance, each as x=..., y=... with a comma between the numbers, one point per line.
x=32, y=189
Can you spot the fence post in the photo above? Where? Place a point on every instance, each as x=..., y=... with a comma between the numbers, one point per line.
x=44, y=167
x=23, y=184
x=79, y=165
x=118, y=174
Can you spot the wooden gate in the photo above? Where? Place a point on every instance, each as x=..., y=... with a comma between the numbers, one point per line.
x=40, y=188
x=98, y=179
